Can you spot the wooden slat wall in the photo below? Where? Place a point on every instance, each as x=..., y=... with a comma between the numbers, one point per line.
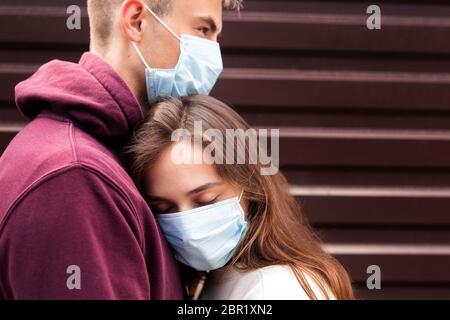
x=364, y=118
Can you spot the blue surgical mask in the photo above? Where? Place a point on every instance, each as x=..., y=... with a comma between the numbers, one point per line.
x=198, y=68
x=205, y=238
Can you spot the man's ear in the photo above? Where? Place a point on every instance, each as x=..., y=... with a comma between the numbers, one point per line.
x=132, y=13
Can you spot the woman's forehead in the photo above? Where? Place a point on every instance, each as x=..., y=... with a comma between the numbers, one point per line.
x=169, y=174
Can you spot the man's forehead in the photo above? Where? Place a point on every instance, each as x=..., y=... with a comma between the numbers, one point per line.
x=201, y=8
x=208, y=11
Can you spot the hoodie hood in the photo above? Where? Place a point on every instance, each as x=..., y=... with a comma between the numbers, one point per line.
x=90, y=93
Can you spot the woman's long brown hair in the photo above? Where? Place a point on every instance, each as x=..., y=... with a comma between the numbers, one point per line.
x=278, y=233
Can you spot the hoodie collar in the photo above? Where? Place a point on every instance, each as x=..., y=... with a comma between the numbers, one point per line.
x=91, y=94
x=110, y=80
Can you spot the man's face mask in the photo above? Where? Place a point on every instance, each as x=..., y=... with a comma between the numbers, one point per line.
x=198, y=68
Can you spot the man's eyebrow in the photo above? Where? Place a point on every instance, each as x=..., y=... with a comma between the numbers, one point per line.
x=204, y=187
x=211, y=22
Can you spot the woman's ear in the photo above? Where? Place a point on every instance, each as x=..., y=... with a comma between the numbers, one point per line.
x=132, y=15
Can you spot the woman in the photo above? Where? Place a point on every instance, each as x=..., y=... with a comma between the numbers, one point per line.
x=243, y=227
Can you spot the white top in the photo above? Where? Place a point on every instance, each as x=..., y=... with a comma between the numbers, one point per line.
x=269, y=283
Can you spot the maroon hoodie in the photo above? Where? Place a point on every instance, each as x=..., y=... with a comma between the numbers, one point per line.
x=72, y=223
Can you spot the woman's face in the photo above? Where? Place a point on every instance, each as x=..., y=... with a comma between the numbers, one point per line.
x=171, y=187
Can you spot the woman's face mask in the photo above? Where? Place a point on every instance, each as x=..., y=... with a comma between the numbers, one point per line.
x=205, y=238
x=198, y=68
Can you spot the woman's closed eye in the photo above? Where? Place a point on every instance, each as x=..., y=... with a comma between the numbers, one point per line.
x=161, y=207
x=203, y=203
x=164, y=207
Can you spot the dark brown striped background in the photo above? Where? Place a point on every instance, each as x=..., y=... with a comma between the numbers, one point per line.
x=364, y=118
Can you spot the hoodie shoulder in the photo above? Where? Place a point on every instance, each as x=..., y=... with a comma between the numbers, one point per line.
x=50, y=144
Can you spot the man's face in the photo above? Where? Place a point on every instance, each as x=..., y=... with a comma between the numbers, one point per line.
x=201, y=18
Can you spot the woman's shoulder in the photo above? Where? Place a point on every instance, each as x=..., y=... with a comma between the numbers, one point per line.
x=277, y=282
x=280, y=282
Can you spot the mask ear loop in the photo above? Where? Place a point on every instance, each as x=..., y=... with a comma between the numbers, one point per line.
x=240, y=197
x=140, y=55
x=163, y=23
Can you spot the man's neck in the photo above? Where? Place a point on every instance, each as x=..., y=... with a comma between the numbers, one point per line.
x=136, y=88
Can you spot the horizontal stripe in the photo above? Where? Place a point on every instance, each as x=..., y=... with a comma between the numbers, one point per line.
x=386, y=249
x=365, y=191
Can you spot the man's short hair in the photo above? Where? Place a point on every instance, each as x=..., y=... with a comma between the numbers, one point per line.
x=101, y=16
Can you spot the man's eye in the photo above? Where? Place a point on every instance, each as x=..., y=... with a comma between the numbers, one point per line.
x=203, y=30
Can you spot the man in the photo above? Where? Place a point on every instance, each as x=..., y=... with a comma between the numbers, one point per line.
x=72, y=223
